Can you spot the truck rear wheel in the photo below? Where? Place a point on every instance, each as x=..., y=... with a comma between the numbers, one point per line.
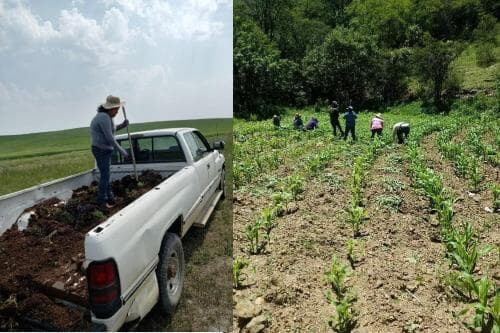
x=170, y=272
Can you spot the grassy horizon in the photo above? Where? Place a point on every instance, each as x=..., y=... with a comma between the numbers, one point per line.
x=30, y=159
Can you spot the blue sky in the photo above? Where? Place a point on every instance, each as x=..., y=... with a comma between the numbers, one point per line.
x=168, y=59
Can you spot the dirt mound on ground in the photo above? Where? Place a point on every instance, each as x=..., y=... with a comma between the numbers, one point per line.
x=48, y=254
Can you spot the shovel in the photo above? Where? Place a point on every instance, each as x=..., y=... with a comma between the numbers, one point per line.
x=131, y=147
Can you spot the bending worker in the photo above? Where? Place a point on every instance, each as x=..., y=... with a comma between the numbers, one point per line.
x=400, y=130
x=102, y=130
x=276, y=122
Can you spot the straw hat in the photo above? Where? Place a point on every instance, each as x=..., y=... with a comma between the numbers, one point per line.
x=112, y=102
x=378, y=115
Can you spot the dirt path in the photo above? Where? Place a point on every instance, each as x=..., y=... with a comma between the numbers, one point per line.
x=470, y=207
x=288, y=285
x=397, y=281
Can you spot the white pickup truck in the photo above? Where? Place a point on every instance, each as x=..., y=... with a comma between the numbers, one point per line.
x=135, y=259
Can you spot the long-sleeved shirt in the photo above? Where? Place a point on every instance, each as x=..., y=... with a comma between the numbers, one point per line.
x=350, y=119
x=334, y=114
x=102, y=130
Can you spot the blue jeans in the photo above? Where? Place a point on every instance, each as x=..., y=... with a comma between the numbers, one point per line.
x=103, y=160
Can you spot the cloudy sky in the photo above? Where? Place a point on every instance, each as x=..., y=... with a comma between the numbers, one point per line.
x=168, y=59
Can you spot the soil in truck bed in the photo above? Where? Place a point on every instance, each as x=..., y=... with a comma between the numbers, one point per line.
x=44, y=261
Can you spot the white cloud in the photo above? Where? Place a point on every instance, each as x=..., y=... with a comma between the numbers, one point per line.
x=183, y=20
x=73, y=34
x=18, y=23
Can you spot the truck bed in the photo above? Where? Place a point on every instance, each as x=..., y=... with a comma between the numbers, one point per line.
x=43, y=263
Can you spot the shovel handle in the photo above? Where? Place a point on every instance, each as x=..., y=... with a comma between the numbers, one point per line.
x=131, y=147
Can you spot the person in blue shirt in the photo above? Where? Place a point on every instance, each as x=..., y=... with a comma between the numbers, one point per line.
x=350, y=123
x=312, y=124
x=102, y=130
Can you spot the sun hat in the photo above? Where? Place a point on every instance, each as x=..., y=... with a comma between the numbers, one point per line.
x=350, y=108
x=335, y=103
x=378, y=115
x=112, y=102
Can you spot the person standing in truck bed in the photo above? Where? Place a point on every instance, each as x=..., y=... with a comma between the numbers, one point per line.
x=102, y=130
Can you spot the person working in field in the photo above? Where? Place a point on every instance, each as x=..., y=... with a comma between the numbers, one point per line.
x=312, y=124
x=297, y=122
x=334, y=118
x=102, y=130
x=400, y=131
x=377, y=125
x=350, y=123
x=276, y=122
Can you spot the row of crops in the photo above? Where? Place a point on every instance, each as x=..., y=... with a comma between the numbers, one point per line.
x=460, y=239
x=277, y=165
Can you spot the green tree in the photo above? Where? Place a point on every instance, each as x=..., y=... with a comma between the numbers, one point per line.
x=345, y=67
x=432, y=63
x=261, y=80
x=390, y=20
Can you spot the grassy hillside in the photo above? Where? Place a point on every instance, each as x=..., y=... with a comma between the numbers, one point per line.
x=474, y=76
x=30, y=159
x=49, y=143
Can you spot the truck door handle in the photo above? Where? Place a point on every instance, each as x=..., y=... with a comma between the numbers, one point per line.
x=208, y=166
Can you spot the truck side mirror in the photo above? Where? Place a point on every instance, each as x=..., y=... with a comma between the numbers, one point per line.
x=219, y=145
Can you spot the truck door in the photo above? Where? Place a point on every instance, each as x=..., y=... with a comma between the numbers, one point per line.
x=201, y=163
x=210, y=157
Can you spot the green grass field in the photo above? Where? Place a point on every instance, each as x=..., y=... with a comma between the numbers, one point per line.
x=473, y=76
x=30, y=159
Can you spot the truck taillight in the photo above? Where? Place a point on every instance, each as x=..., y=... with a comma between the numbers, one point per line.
x=102, y=275
x=104, y=288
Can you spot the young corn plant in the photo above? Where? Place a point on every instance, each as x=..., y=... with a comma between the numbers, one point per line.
x=432, y=186
x=351, y=245
x=337, y=276
x=254, y=237
x=445, y=214
x=474, y=174
x=344, y=319
x=238, y=265
x=295, y=185
x=356, y=215
x=484, y=317
x=267, y=220
x=463, y=250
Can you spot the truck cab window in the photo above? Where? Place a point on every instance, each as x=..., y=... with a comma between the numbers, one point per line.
x=144, y=151
x=166, y=148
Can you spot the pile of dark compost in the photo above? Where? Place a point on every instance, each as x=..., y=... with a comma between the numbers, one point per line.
x=46, y=258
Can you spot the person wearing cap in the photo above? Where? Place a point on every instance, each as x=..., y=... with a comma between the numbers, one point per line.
x=102, y=130
x=276, y=122
x=350, y=123
x=400, y=130
x=334, y=118
x=377, y=125
x=312, y=124
x=297, y=122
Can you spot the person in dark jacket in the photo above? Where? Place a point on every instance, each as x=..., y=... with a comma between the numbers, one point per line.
x=102, y=130
x=297, y=122
x=312, y=124
x=276, y=122
x=350, y=123
x=334, y=118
